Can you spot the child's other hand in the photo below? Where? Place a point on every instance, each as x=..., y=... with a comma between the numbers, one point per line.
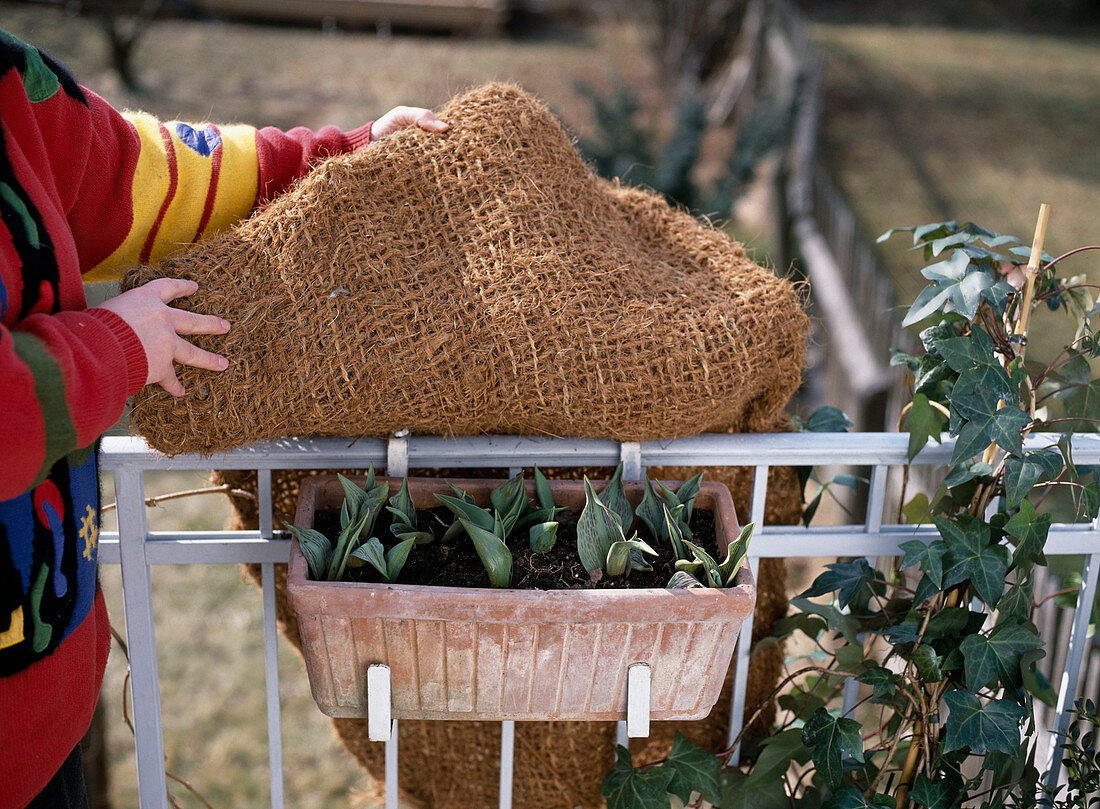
x=400, y=117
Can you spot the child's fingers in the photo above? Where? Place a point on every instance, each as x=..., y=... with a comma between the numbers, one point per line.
x=430, y=123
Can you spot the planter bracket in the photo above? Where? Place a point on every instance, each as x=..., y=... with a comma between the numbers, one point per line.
x=637, y=701
x=630, y=453
x=397, y=454
x=379, y=722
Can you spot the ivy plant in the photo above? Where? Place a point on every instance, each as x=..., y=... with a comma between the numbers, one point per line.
x=940, y=639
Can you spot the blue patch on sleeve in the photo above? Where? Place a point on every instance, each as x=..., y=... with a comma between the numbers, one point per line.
x=202, y=141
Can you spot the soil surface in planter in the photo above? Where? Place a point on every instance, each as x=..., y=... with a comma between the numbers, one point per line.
x=456, y=563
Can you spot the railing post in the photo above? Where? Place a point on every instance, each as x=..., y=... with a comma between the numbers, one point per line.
x=1067, y=687
x=744, y=642
x=271, y=646
x=141, y=638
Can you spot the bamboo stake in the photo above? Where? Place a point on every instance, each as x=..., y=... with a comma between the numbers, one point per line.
x=1024, y=321
x=910, y=765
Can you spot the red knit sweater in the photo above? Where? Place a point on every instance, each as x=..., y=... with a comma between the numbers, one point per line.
x=84, y=192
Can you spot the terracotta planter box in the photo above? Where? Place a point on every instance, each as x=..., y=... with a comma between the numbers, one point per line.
x=493, y=654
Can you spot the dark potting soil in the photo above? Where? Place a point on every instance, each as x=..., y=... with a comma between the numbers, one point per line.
x=456, y=563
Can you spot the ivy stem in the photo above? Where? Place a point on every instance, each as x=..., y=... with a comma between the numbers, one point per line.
x=1064, y=256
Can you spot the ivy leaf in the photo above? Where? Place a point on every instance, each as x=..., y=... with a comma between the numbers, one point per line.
x=848, y=797
x=837, y=621
x=628, y=788
x=1021, y=474
x=926, y=588
x=883, y=683
x=737, y=793
x=933, y=794
x=972, y=357
x=693, y=768
x=908, y=631
x=829, y=737
x=951, y=621
x=931, y=371
x=1016, y=603
x=776, y=755
x=917, y=510
x=849, y=579
x=1090, y=500
x=826, y=419
x=982, y=728
x=1030, y=532
x=986, y=423
x=928, y=663
x=972, y=555
x=929, y=557
x=998, y=654
x=811, y=627
x=1081, y=401
x=924, y=422
x=957, y=286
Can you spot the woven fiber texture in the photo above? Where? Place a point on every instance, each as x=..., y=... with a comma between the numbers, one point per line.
x=483, y=281
x=558, y=765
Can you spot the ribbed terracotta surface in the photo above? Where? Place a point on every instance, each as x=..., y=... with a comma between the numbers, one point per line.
x=467, y=653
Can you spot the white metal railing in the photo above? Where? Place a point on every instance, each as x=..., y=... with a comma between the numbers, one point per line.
x=136, y=549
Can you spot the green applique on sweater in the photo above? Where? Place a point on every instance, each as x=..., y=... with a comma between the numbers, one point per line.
x=40, y=83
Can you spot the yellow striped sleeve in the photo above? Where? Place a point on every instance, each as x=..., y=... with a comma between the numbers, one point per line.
x=238, y=179
x=152, y=178
x=182, y=219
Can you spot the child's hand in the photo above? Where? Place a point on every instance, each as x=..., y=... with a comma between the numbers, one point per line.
x=400, y=117
x=158, y=326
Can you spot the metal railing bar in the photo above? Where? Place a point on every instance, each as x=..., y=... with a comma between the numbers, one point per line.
x=757, y=511
x=263, y=503
x=271, y=645
x=507, y=760
x=1063, y=540
x=798, y=449
x=141, y=638
x=201, y=547
x=876, y=499
x=1067, y=688
x=741, y=677
x=391, y=767
x=226, y=547
x=271, y=670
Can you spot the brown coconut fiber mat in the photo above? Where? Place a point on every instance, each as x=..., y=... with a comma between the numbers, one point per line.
x=482, y=281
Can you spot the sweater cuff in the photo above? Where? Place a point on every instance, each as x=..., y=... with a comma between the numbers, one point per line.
x=137, y=367
x=357, y=137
